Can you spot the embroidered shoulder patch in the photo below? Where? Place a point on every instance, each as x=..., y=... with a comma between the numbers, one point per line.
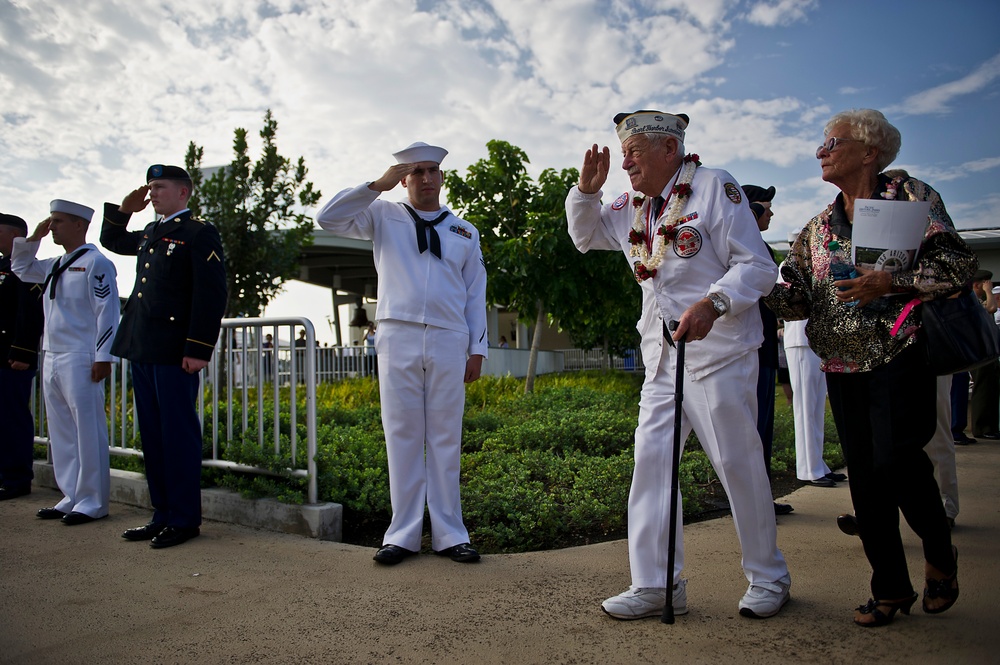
x=620, y=202
x=460, y=230
x=733, y=192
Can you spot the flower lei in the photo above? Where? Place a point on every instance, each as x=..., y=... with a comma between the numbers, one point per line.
x=646, y=267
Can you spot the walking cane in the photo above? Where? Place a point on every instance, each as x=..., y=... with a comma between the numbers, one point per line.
x=668, y=606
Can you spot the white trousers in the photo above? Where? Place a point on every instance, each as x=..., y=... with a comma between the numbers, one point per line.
x=941, y=449
x=722, y=409
x=422, y=392
x=808, y=409
x=78, y=433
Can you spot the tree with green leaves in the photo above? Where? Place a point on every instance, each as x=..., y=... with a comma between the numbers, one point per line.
x=532, y=264
x=258, y=208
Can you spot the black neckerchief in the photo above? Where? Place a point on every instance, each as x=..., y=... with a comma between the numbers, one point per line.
x=59, y=268
x=421, y=225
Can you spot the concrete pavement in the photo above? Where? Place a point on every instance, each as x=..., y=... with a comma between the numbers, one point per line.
x=236, y=595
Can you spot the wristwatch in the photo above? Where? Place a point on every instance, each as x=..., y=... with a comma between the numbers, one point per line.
x=719, y=303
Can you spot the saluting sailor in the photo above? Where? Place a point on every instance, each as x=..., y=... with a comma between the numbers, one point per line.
x=691, y=241
x=20, y=330
x=168, y=332
x=80, y=301
x=430, y=341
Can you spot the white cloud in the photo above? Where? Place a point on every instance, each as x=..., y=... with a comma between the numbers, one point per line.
x=91, y=93
x=939, y=98
x=780, y=12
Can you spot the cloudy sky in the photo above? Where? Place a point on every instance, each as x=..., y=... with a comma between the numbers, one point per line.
x=93, y=92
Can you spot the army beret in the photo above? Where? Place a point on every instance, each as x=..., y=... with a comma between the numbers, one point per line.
x=15, y=221
x=163, y=172
x=757, y=194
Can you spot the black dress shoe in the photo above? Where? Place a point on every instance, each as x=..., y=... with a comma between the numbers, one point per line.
x=74, y=518
x=50, y=514
x=990, y=436
x=963, y=439
x=836, y=477
x=13, y=492
x=782, y=508
x=173, y=535
x=463, y=553
x=390, y=555
x=144, y=532
x=848, y=524
x=821, y=482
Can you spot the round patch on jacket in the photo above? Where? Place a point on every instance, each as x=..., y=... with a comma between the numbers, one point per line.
x=733, y=192
x=620, y=202
x=687, y=242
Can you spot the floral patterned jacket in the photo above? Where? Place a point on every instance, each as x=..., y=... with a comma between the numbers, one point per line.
x=860, y=339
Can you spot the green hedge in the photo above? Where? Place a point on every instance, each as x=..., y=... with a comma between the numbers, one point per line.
x=539, y=471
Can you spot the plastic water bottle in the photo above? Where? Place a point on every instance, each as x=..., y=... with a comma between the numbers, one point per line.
x=840, y=266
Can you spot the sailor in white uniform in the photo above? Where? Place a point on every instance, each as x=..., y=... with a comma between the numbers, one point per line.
x=81, y=316
x=808, y=402
x=431, y=340
x=701, y=261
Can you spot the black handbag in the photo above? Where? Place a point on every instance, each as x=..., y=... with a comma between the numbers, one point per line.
x=960, y=333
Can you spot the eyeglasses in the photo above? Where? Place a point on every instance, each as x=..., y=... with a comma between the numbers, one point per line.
x=831, y=144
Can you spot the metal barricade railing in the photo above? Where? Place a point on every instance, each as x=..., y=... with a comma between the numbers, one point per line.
x=243, y=365
x=580, y=359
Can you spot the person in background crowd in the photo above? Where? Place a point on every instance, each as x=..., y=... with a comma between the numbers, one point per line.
x=760, y=200
x=985, y=398
x=20, y=330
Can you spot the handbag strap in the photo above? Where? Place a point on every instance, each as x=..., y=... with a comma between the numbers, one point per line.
x=907, y=308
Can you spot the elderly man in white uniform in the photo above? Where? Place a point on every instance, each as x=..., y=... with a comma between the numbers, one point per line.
x=81, y=317
x=431, y=340
x=700, y=260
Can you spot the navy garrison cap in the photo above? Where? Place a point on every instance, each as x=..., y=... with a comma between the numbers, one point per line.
x=162, y=172
x=757, y=194
x=15, y=221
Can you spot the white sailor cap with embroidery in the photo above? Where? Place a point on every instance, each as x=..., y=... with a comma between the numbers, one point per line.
x=70, y=208
x=650, y=122
x=420, y=152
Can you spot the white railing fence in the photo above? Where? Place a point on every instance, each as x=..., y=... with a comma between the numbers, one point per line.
x=247, y=374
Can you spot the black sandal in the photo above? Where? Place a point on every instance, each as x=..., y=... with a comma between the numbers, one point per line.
x=883, y=618
x=946, y=589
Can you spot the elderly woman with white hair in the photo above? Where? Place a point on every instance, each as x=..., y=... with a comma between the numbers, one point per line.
x=881, y=391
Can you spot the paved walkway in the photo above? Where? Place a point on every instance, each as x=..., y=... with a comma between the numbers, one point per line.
x=236, y=595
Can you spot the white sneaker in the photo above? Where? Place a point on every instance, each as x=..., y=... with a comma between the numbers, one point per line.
x=641, y=603
x=765, y=599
